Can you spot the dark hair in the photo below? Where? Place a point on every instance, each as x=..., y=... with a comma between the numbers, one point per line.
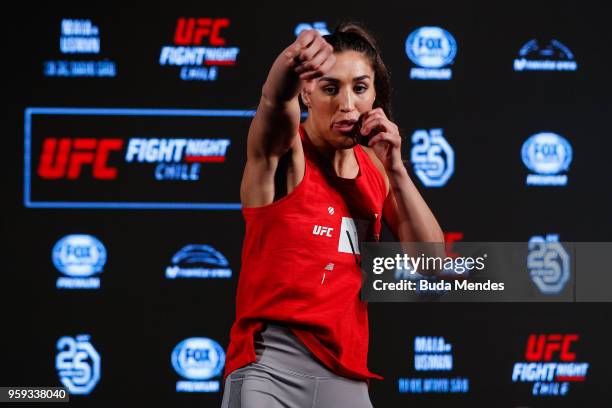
x=351, y=36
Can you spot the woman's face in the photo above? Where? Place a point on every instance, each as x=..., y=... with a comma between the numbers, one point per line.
x=336, y=100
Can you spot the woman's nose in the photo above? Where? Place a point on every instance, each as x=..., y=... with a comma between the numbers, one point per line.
x=346, y=101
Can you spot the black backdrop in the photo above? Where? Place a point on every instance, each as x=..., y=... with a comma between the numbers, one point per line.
x=486, y=111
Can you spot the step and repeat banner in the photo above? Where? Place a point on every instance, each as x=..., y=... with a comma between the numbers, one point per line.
x=126, y=129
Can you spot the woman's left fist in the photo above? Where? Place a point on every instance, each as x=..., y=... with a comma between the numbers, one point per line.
x=385, y=139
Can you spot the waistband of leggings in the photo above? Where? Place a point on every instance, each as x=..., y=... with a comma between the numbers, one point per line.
x=276, y=346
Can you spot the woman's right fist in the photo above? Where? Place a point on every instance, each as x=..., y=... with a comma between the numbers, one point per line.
x=310, y=56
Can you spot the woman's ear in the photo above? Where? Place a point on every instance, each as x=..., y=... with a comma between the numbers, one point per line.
x=305, y=93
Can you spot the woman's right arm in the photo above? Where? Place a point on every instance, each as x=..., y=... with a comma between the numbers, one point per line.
x=273, y=131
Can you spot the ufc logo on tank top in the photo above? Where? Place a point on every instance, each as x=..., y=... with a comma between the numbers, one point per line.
x=321, y=230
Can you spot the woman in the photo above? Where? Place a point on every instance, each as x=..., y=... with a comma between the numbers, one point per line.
x=309, y=193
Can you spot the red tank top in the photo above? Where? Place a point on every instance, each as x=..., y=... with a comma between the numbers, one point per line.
x=299, y=266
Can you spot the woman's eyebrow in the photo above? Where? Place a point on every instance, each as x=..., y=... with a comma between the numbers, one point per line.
x=336, y=80
x=329, y=79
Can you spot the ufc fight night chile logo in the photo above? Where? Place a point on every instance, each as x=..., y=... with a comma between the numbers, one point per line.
x=200, y=48
x=550, y=364
x=132, y=158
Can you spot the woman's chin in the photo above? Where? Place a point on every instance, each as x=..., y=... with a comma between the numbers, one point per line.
x=345, y=140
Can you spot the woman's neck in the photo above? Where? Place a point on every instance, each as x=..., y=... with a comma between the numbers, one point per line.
x=343, y=161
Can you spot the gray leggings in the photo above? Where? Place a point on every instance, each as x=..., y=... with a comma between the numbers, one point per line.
x=287, y=375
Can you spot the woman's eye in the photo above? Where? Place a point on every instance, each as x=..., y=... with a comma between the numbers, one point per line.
x=329, y=90
x=360, y=88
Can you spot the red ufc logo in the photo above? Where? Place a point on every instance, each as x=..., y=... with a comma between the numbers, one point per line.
x=191, y=31
x=64, y=158
x=542, y=347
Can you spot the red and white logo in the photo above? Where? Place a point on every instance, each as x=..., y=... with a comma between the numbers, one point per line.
x=174, y=158
x=550, y=364
x=199, y=48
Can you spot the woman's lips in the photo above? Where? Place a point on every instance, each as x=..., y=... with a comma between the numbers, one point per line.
x=344, y=126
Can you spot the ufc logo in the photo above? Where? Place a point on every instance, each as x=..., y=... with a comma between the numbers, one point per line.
x=320, y=230
x=191, y=31
x=64, y=158
x=542, y=347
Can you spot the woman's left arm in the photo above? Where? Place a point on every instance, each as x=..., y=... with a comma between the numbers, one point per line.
x=404, y=210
